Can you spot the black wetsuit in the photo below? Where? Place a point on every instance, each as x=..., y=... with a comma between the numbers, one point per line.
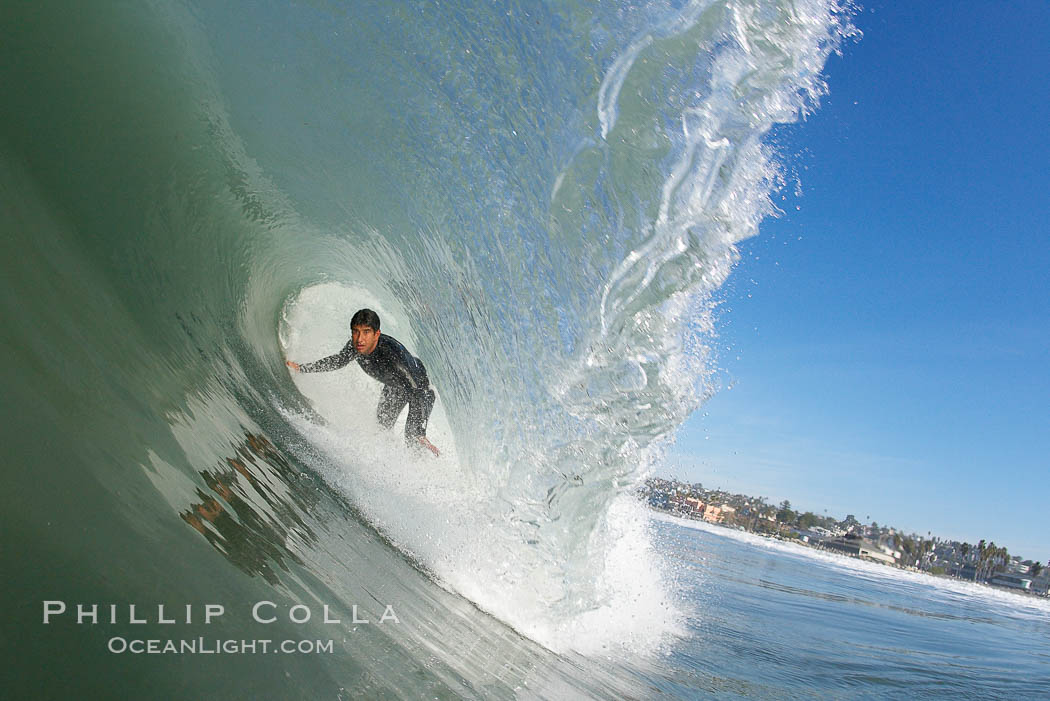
x=404, y=382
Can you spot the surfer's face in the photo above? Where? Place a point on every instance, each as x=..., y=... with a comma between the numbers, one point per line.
x=365, y=339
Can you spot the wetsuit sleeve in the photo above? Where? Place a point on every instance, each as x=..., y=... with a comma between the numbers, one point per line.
x=332, y=362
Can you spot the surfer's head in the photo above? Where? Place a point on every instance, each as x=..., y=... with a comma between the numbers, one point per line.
x=364, y=327
x=365, y=317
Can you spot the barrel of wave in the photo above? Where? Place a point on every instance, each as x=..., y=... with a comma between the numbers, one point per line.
x=363, y=459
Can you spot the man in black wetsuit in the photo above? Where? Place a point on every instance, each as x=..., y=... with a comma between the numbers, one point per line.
x=403, y=376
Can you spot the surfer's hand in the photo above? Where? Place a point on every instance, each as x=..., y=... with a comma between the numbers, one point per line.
x=292, y=364
x=423, y=441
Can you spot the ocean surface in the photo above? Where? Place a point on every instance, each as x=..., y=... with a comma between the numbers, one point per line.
x=775, y=620
x=541, y=200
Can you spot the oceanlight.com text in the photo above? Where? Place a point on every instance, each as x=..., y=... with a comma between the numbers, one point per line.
x=213, y=646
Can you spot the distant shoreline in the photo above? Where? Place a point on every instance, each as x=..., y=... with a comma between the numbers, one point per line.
x=807, y=548
x=983, y=563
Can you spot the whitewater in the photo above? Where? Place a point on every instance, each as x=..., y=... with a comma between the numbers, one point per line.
x=541, y=200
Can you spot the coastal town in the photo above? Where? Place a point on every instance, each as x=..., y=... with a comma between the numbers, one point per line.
x=984, y=563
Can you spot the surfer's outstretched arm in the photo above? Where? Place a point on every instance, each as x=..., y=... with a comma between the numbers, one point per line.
x=332, y=362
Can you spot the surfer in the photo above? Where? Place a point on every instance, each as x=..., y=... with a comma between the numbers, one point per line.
x=384, y=358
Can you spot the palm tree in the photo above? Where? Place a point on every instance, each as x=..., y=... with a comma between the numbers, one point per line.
x=991, y=551
x=991, y=559
x=965, y=549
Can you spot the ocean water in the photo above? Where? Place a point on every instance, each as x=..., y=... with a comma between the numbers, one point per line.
x=775, y=620
x=541, y=200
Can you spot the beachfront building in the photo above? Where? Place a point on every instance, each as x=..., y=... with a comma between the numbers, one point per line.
x=1041, y=581
x=1011, y=581
x=693, y=506
x=859, y=547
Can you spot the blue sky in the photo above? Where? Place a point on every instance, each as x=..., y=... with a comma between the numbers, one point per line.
x=887, y=340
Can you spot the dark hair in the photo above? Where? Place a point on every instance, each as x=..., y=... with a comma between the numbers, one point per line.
x=365, y=317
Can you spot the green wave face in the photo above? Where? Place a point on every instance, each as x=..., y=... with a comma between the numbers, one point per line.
x=540, y=200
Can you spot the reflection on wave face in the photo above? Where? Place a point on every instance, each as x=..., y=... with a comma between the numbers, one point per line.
x=253, y=537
